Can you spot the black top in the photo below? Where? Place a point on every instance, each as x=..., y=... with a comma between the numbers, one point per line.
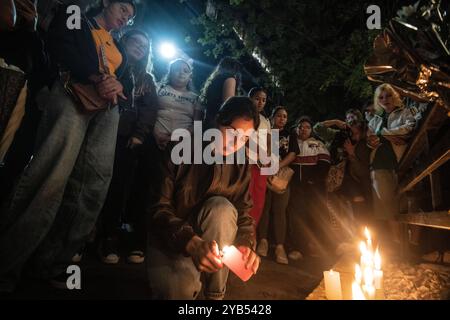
x=214, y=96
x=284, y=143
x=139, y=119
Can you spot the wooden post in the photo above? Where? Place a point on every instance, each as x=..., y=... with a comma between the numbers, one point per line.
x=436, y=192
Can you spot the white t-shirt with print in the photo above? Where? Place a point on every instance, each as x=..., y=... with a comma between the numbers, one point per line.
x=175, y=111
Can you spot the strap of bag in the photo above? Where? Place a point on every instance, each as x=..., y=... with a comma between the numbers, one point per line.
x=102, y=60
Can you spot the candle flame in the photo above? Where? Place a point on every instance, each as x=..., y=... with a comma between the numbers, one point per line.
x=225, y=249
x=377, y=260
x=367, y=233
x=362, y=247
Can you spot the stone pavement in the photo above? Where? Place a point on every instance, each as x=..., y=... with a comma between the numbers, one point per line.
x=124, y=281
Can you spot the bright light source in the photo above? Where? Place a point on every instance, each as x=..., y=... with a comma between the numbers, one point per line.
x=167, y=50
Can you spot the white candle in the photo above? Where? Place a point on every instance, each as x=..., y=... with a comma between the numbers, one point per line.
x=358, y=274
x=357, y=293
x=369, y=292
x=378, y=273
x=332, y=285
x=366, y=260
x=363, y=250
x=378, y=279
x=368, y=277
x=232, y=258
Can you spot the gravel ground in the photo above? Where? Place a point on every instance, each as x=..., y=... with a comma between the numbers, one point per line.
x=417, y=282
x=406, y=281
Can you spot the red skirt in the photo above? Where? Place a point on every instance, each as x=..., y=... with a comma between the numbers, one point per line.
x=258, y=185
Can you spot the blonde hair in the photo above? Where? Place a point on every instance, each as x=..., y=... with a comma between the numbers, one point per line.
x=395, y=96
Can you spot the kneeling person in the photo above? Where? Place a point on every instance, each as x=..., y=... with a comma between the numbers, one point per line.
x=201, y=208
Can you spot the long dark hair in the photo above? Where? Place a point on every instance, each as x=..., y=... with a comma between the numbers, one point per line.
x=227, y=66
x=142, y=68
x=253, y=91
x=237, y=107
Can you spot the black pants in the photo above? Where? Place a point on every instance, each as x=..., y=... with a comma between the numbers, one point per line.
x=274, y=211
x=358, y=195
x=309, y=222
x=119, y=205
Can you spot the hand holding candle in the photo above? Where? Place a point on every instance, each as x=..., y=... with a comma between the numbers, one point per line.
x=243, y=262
x=204, y=254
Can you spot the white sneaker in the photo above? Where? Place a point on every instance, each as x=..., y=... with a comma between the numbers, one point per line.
x=280, y=255
x=77, y=257
x=136, y=257
x=111, y=258
x=295, y=255
x=263, y=248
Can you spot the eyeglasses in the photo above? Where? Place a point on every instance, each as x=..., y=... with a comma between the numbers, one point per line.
x=127, y=14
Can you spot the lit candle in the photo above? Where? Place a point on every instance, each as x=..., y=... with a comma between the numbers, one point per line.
x=358, y=274
x=357, y=293
x=363, y=250
x=332, y=285
x=368, y=276
x=366, y=257
x=378, y=273
x=368, y=287
x=233, y=259
x=369, y=292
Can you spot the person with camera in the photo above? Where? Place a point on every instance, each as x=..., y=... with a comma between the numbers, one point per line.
x=349, y=177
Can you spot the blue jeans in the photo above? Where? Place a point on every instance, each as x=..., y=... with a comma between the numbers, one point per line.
x=175, y=277
x=57, y=199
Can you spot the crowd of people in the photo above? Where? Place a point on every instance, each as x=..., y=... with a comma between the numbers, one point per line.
x=107, y=172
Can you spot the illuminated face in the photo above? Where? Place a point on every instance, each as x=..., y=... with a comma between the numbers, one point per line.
x=304, y=130
x=280, y=119
x=118, y=15
x=386, y=100
x=136, y=47
x=180, y=75
x=259, y=100
x=236, y=134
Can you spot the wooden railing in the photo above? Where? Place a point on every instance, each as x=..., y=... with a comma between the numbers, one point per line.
x=427, y=152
